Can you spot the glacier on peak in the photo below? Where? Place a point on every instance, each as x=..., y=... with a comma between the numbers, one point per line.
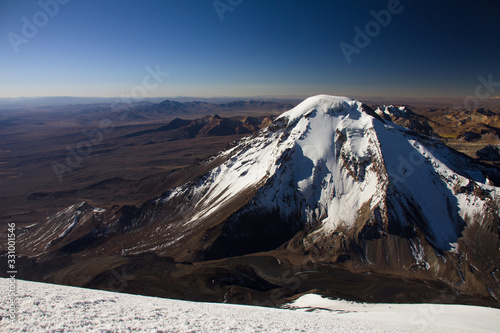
x=329, y=174
x=324, y=103
x=339, y=166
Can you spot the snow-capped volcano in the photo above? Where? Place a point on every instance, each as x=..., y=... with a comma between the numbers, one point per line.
x=329, y=177
x=331, y=164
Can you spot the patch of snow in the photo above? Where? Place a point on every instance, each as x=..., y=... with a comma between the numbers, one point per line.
x=392, y=111
x=431, y=317
x=419, y=254
x=325, y=103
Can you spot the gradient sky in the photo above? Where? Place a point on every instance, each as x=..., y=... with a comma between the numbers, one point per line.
x=262, y=47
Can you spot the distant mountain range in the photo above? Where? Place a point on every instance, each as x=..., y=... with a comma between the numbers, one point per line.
x=68, y=100
x=180, y=129
x=173, y=108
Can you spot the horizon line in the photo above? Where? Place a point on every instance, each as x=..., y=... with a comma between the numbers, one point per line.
x=493, y=98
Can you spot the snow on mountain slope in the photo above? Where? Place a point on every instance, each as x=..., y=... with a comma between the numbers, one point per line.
x=335, y=141
x=329, y=177
x=52, y=308
x=304, y=158
x=332, y=162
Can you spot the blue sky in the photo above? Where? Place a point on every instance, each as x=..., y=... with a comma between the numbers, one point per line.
x=102, y=48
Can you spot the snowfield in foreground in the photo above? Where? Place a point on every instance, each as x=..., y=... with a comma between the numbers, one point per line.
x=53, y=308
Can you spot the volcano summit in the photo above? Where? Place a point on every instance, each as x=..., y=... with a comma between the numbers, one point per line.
x=328, y=182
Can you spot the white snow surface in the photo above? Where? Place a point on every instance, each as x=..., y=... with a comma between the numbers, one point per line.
x=54, y=308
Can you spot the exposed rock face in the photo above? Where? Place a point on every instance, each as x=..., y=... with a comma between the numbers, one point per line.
x=330, y=179
x=403, y=116
x=469, y=136
x=489, y=153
